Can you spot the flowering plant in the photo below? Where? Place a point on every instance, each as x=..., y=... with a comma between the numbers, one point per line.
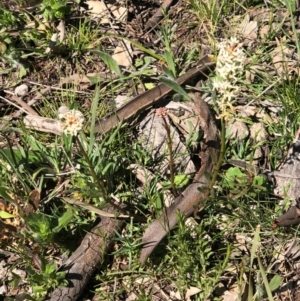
x=229, y=69
x=71, y=122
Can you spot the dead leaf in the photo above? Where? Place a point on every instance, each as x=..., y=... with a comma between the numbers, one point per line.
x=287, y=176
x=34, y=201
x=191, y=292
x=62, y=30
x=120, y=100
x=258, y=132
x=265, y=31
x=99, y=9
x=78, y=78
x=281, y=59
x=232, y=294
x=43, y=124
x=123, y=54
x=2, y=206
x=248, y=29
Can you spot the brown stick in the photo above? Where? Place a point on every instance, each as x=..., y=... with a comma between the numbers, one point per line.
x=84, y=261
x=195, y=194
x=149, y=98
x=153, y=21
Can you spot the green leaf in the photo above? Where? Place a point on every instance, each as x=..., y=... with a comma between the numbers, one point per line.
x=4, y=214
x=275, y=282
x=94, y=107
x=106, y=168
x=40, y=226
x=174, y=86
x=168, y=72
x=22, y=71
x=18, y=156
x=64, y=220
x=50, y=268
x=109, y=61
x=234, y=176
x=5, y=195
x=170, y=62
x=181, y=180
x=265, y=280
x=255, y=244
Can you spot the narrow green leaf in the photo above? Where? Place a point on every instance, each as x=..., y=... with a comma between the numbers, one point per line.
x=250, y=288
x=170, y=62
x=168, y=71
x=4, y=214
x=255, y=245
x=5, y=195
x=174, y=86
x=64, y=220
x=94, y=107
x=109, y=61
x=265, y=280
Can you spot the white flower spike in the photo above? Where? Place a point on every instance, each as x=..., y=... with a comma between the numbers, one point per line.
x=229, y=69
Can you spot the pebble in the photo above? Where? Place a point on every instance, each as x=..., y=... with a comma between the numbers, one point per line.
x=21, y=90
x=258, y=132
x=238, y=129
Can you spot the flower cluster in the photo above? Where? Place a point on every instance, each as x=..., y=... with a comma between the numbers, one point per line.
x=71, y=122
x=229, y=69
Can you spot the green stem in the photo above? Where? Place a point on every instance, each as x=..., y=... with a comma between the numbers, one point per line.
x=95, y=177
x=221, y=156
x=171, y=162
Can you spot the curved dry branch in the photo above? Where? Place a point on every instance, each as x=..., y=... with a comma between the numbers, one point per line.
x=84, y=261
x=195, y=194
x=158, y=15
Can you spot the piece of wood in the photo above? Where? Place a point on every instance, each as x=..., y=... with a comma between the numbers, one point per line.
x=195, y=195
x=149, y=98
x=158, y=15
x=86, y=259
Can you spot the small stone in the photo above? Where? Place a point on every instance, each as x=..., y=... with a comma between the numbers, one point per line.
x=62, y=110
x=3, y=290
x=258, y=154
x=238, y=129
x=258, y=132
x=120, y=100
x=19, y=272
x=21, y=90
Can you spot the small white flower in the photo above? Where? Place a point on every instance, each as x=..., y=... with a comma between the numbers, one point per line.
x=72, y=122
x=191, y=224
x=231, y=95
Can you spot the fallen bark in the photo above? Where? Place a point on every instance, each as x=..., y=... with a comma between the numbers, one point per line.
x=195, y=194
x=158, y=15
x=84, y=261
